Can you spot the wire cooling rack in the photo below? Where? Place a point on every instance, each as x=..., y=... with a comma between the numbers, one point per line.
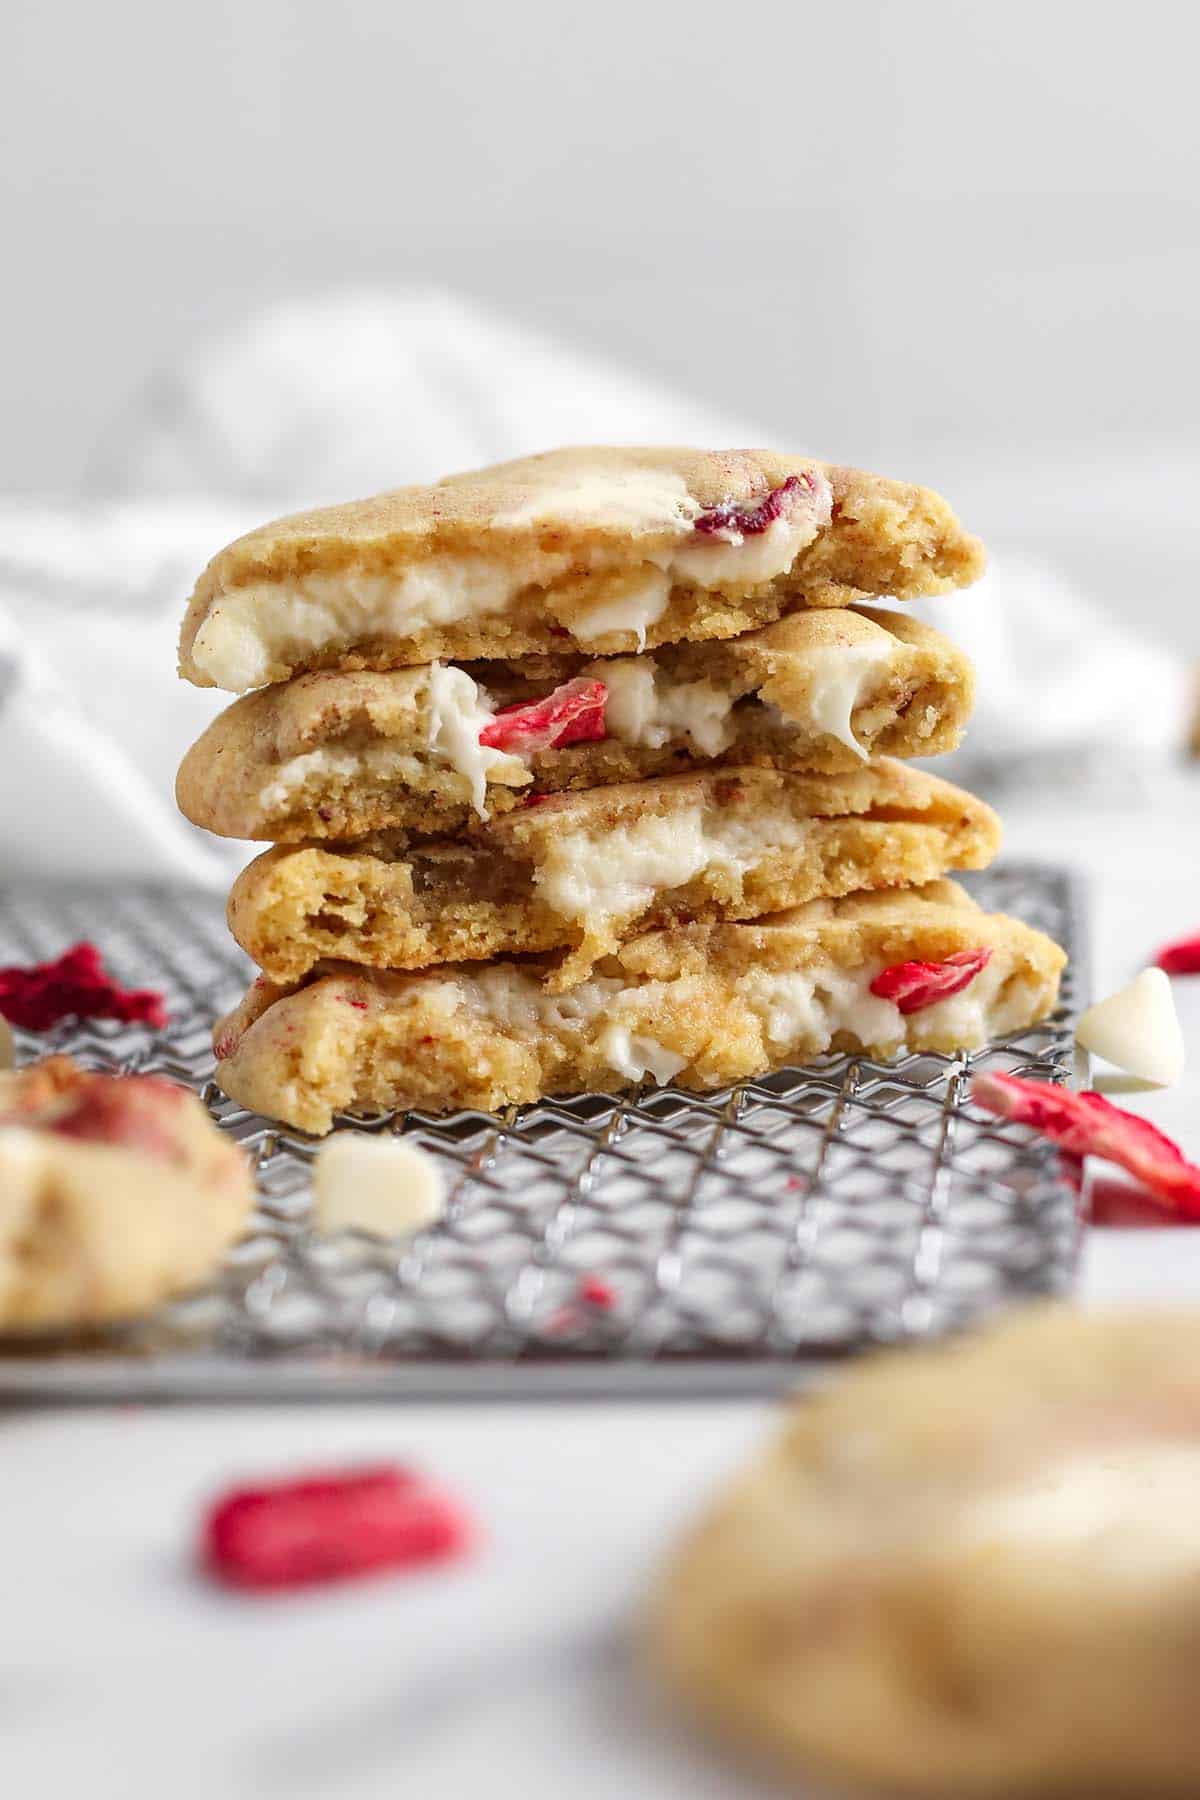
x=737, y=1236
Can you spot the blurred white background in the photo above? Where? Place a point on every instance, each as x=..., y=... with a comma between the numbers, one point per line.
x=957, y=242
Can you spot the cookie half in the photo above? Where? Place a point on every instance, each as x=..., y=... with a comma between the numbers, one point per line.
x=429, y=750
x=700, y=1005
x=581, y=872
x=964, y=1571
x=601, y=550
x=116, y=1192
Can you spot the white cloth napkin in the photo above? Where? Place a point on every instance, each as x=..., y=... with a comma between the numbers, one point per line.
x=348, y=395
x=1065, y=694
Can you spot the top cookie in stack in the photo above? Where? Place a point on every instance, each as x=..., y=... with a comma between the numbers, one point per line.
x=600, y=550
x=636, y=638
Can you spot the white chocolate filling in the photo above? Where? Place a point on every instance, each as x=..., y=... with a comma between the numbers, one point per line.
x=638, y=604
x=710, y=562
x=618, y=872
x=646, y=709
x=458, y=711
x=843, y=676
x=635, y=500
x=248, y=630
x=799, y=1010
x=636, y=1056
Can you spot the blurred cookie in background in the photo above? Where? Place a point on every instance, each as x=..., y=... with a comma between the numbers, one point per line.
x=965, y=1570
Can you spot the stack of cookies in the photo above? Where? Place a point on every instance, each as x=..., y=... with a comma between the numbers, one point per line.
x=581, y=772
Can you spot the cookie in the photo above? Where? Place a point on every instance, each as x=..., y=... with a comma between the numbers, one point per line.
x=338, y=756
x=601, y=550
x=116, y=1192
x=968, y=1570
x=581, y=872
x=700, y=1005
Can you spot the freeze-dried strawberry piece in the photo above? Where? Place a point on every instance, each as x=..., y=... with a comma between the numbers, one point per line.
x=572, y=714
x=1181, y=957
x=915, y=985
x=1089, y=1125
x=594, y=1291
x=76, y=984
x=330, y=1527
x=749, y=518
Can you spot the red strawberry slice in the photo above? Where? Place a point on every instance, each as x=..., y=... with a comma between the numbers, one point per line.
x=1181, y=957
x=1089, y=1125
x=915, y=985
x=76, y=984
x=572, y=714
x=331, y=1527
x=751, y=517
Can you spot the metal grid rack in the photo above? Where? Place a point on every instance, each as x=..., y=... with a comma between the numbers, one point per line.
x=744, y=1234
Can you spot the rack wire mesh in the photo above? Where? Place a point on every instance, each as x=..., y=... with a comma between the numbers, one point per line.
x=736, y=1236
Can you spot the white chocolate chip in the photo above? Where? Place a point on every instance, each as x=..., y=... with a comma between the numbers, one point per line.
x=8, y=1054
x=1137, y=1029
x=378, y=1184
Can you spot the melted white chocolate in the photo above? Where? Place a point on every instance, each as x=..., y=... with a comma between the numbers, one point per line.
x=647, y=709
x=635, y=1056
x=713, y=562
x=639, y=603
x=458, y=711
x=641, y=499
x=843, y=676
x=247, y=631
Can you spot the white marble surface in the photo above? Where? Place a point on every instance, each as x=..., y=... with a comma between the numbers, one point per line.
x=122, y=1675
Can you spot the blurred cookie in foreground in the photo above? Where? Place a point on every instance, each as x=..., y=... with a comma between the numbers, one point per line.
x=583, y=872
x=116, y=1192
x=964, y=1571
x=431, y=749
x=699, y=1005
x=601, y=549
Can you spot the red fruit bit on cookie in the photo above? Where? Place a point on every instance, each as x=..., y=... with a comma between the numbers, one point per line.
x=331, y=1527
x=915, y=985
x=1181, y=957
x=1089, y=1125
x=77, y=985
x=572, y=714
x=750, y=517
x=594, y=1291
x=133, y=1111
